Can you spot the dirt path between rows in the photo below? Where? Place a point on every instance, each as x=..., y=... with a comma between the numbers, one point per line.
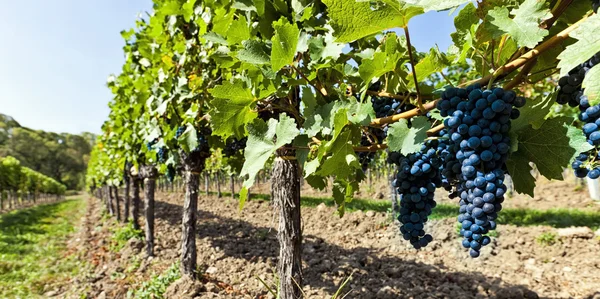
x=234, y=248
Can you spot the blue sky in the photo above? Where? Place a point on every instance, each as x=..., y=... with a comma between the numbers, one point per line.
x=56, y=55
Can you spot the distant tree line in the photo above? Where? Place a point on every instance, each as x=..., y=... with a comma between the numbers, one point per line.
x=63, y=156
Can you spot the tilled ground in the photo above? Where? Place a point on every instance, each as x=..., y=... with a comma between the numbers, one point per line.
x=236, y=248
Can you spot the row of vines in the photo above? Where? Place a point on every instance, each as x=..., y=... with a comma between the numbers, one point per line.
x=19, y=182
x=319, y=88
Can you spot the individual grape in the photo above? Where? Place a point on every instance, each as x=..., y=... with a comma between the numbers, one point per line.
x=475, y=156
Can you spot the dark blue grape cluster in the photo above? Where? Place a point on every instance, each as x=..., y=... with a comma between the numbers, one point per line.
x=203, y=146
x=170, y=173
x=477, y=126
x=150, y=144
x=374, y=136
x=416, y=181
x=179, y=132
x=162, y=154
x=234, y=146
x=570, y=91
x=385, y=106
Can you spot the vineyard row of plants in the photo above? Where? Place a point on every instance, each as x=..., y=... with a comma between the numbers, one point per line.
x=19, y=184
x=323, y=88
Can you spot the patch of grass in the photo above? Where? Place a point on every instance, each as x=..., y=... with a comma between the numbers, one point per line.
x=157, y=286
x=122, y=234
x=32, y=244
x=547, y=239
x=558, y=218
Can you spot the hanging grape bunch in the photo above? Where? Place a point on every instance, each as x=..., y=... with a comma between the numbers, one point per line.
x=162, y=155
x=233, y=146
x=570, y=91
x=478, y=122
x=150, y=145
x=416, y=181
x=170, y=173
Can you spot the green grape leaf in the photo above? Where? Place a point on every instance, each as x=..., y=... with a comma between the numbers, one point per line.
x=408, y=140
x=187, y=9
x=553, y=146
x=343, y=159
x=222, y=20
x=253, y=52
x=586, y=46
x=466, y=18
x=434, y=62
x=189, y=139
x=360, y=113
x=533, y=113
x=343, y=192
x=428, y=5
x=524, y=26
x=353, y=20
x=238, y=31
x=520, y=172
x=285, y=42
x=591, y=83
x=263, y=140
x=232, y=109
x=380, y=64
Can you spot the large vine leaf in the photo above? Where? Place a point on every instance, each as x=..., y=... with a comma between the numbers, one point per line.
x=253, y=52
x=591, y=83
x=231, y=110
x=553, y=146
x=285, y=42
x=264, y=138
x=533, y=113
x=588, y=44
x=428, y=5
x=520, y=172
x=408, y=140
x=524, y=26
x=356, y=19
x=434, y=62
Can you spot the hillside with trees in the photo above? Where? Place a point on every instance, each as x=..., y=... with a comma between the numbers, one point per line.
x=61, y=156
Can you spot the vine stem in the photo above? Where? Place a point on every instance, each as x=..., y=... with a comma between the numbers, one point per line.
x=412, y=65
x=504, y=70
x=318, y=86
x=396, y=96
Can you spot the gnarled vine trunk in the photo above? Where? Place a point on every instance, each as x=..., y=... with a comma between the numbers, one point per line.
x=149, y=173
x=232, y=186
x=285, y=191
x=117, y=203
x=193, y=164
x=126, y=199
x=111, y=212
x=135, y=211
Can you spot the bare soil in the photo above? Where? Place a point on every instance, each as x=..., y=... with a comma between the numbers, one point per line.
x=235, y=248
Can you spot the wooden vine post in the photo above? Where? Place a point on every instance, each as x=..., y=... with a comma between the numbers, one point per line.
x=285, y=191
